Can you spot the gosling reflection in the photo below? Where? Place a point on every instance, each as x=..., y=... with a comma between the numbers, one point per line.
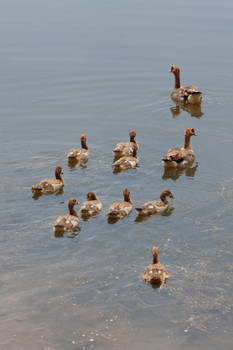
x=112, y=220
x=168, y=212
x=36, y=196
x=69, y=235
x=193, y=110
x=77, y=163
x=174, y=173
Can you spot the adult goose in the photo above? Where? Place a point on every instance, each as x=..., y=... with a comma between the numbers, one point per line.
x=179, y=157
x=188, y=94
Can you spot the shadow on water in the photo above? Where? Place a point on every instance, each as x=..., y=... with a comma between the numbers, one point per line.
x=193, y=110
x=174, y=173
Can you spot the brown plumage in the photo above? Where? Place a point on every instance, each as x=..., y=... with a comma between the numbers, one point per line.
x=67, y=223
x=127, y=162
x=155, y=207
x=155, y=273
x=92, y=206
x=119, y=210
x=47, y=186
x=188, y=94
x=79, y=155
x=123, y=149
x=179, y=157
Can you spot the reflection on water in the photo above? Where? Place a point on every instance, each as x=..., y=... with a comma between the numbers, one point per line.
x=193, y=110
x=101, y=68
x=175, y=174
x=76, y=163
x=86, y=217
x=36, y=196
x=158, y=286
x=61, y=234
x=113, y=220
x=117, y=170
x=141, y=218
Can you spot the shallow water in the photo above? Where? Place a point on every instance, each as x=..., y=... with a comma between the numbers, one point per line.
x=101, y=68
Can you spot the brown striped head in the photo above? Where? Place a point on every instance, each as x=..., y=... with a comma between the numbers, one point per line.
x=91, y=196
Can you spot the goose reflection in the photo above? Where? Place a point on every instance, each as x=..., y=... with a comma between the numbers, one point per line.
x=193, y=110
x=69, y=235
x=72, y=164
x=174, y=173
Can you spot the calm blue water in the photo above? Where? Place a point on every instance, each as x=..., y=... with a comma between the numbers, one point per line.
x=102, y=68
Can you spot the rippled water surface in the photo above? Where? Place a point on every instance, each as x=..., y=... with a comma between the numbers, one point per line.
x=102, y=68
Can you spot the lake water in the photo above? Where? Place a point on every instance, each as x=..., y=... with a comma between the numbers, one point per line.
x=102, y=68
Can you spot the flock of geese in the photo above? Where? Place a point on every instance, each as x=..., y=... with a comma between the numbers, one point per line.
x=125, y=154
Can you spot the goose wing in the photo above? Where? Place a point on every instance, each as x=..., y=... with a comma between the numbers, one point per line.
x=174, y=155
x=66, y=223
x=91, y=207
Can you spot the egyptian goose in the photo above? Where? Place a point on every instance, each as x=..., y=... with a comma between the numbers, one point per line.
x=188, y=94
x=179, y=157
